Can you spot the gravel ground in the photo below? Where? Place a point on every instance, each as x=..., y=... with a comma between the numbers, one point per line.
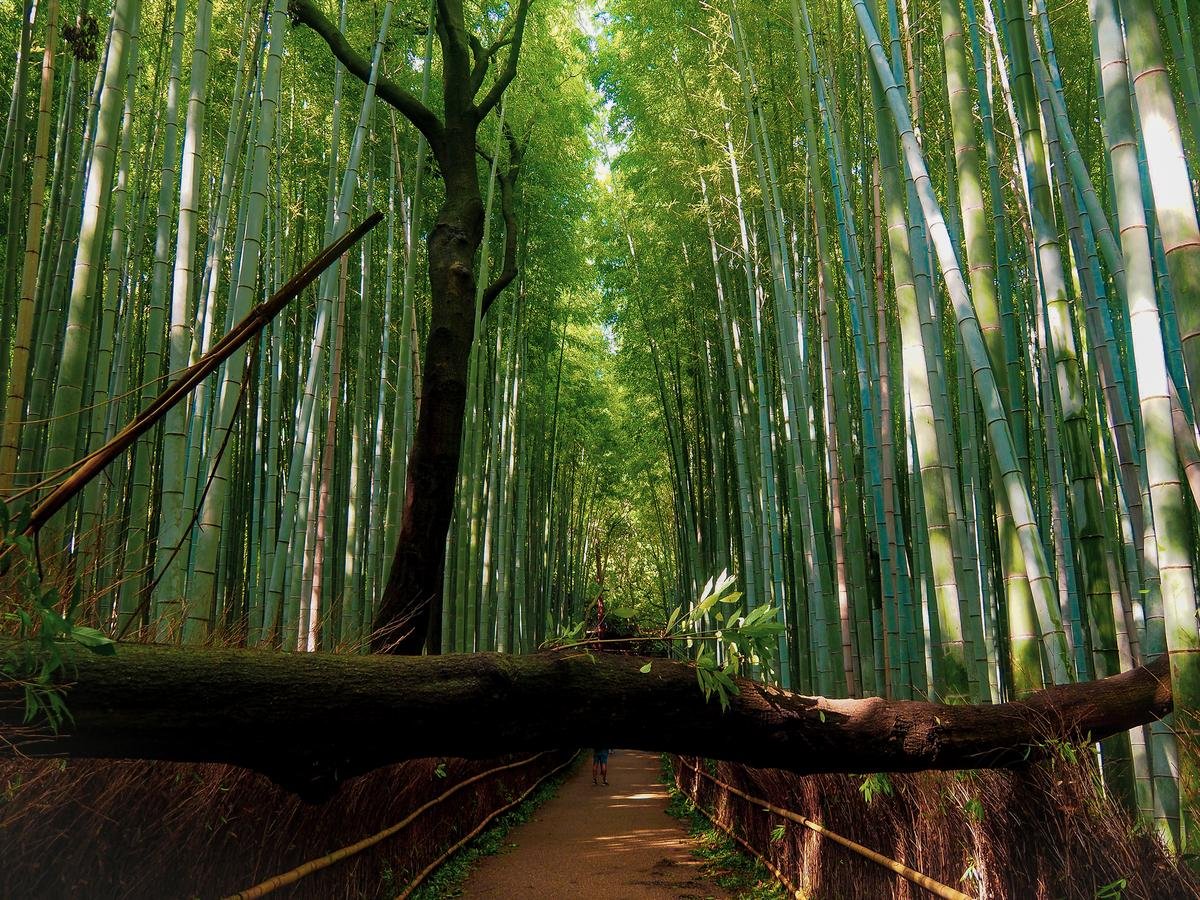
x=591, y=841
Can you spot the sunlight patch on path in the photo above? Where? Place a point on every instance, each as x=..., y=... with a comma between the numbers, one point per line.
x=593, y=841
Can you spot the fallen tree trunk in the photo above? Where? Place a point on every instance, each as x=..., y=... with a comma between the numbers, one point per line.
x=310, y=721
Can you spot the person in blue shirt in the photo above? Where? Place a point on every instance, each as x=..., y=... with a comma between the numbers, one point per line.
x=600, y=765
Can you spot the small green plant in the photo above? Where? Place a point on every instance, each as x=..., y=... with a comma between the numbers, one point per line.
x=569, y=637
x=875, y=785
x=972, y=872
x=778, y=832
x=1064, y=750
x=41, y=622
x=1114, y=890
x=387, y=882
x=11, y=786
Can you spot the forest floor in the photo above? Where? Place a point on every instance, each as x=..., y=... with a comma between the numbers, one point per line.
x=592, y=841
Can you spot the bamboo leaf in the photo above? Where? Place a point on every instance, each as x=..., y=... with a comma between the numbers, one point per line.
x=96, y=641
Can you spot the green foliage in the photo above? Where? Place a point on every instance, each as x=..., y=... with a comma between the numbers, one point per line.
x=742, y=641
x=974, y=809
x=972, y=873
x=41, y=621
x=1066, y=751
x=875, y=785
x=1114, y=890
x=570, y=637
x=714, y=678
x=749, y=639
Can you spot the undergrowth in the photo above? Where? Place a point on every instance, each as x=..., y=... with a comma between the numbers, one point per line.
x=744, y=877
x=448, y=879
x=43, y=620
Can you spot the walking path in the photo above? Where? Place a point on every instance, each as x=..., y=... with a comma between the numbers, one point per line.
x=599, y=843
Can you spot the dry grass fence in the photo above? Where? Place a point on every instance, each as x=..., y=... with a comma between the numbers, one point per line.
x=1045, y=831
x=102, y=829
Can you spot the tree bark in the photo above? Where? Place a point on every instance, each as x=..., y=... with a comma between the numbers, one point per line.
x=309, y=721
x=409, y=615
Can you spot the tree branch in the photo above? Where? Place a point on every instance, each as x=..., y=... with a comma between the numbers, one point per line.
x=500, y=42
x=483, y=57
x=312, y=720
x=422, y=117
x=456, y=67
x=480, y=67
x=509, y=72
x=508, y=183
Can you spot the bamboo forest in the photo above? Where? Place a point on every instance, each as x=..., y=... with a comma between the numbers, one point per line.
x=800, y=396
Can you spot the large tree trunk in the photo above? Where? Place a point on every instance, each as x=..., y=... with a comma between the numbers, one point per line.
x=410, y=612
x=310, y=720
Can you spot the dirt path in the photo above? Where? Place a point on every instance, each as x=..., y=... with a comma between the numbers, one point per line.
x=607, y=843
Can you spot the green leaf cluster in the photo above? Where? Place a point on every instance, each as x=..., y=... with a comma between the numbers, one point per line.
x=875, y=785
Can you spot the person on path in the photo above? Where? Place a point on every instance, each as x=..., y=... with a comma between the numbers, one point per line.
x=600, y=765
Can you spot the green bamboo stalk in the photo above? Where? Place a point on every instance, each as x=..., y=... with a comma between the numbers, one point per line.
x=14, y=156
x=952, y=650
x=18, y=370
x=203, y=602
x=1162, y=467
x=177, y=502
x=302, y=444
x=63, y=445
x=1053, y=638
x=1174, y=203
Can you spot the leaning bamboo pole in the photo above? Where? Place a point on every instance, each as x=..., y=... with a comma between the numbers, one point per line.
x=954, y=687
x=90, y=466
